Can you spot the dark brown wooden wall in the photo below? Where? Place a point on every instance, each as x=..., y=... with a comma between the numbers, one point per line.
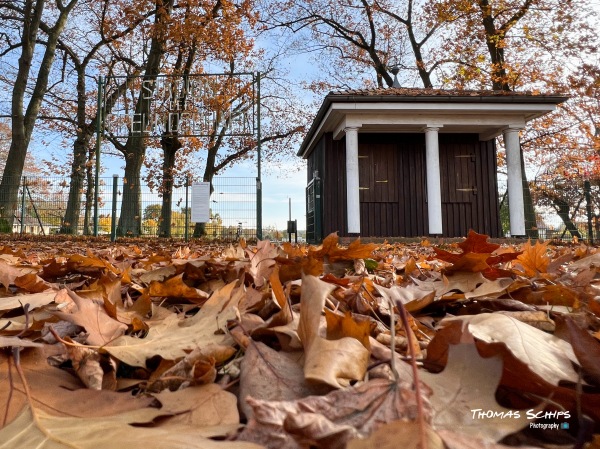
x=393, y=191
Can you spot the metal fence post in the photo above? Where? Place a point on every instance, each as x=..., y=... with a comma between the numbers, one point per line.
x=113, y=220
x=587, y=188
x=187, y=209
x=23, y=205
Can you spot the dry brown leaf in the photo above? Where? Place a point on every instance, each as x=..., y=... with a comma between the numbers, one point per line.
x=97, y=372
x=273, y=375
x=32, y=283
x=100, y=327
x=57, y=391
x=467, y=386
x=549, y=357
x=340, y=326
x=34, y=300
x=490, y=289
x=200, y=406
x=8, y=273
x=333, y=362
x=398, y=434
x=586, y=348
x=414, y=297
x=175, y=287
x=262, y=262
x=332, y=420
x=172, y=338
x=36, y=428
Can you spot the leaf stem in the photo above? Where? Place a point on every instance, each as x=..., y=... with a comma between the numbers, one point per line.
x=416, y=383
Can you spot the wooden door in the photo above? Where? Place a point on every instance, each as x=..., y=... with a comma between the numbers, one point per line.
x=378, y=173
x=458, y=170
x=379, y=185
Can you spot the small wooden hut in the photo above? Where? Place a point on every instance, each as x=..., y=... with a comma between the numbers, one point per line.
x=415, y=162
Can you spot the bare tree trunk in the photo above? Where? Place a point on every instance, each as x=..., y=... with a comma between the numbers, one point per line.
x=563, y=211
x=130, y=220
x=170, y=147
x=24, y=122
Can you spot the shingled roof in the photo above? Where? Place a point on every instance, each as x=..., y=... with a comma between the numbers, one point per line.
x=418, y=95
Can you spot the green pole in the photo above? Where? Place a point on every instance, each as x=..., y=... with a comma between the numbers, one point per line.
x=23, y=205
x=113, y=219
x=587, y=188
x=258, y=163
x=187, y=209
x=98, y=145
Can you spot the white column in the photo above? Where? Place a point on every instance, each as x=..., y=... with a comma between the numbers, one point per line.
x=434, y=191
x=516, y=207
x=352, y=184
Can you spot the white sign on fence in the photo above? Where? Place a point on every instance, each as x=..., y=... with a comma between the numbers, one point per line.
x=201, y=202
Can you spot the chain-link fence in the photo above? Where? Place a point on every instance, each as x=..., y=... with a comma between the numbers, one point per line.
x=563, y=209
x=43, y=207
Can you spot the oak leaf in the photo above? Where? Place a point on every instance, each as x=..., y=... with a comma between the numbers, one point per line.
x=173, y=338
x=100, y=327
x=177, y=288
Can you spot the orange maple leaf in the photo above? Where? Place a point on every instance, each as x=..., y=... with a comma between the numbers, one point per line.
x=534, y=259
x=477, y=243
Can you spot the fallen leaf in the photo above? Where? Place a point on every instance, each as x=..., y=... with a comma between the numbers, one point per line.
x=467, y=387
x=174, y=338
x=177, y=288
x=333, y=362
x=41, y=430
x=586, y=347
x=100, y=327
x=547, y=356
x=273, y=375
x=200, y=406
x=57, y=391
x=262, y=262
x=330, y=421
x=398, y=434
x=477, y=243
x=34, y=300
x=534, y=259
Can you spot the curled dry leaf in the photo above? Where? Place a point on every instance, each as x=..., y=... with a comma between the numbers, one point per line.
x=326, y=420
x=546, y=355
x=174, y=338
x=100, y=327
x=333, y=362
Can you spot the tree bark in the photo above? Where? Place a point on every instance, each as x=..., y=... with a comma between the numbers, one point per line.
x=130, y=222
x=563, y=211
x=24, y=122
x=170, y=146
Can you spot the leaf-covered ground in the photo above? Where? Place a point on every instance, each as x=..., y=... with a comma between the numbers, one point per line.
x=167, y=345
